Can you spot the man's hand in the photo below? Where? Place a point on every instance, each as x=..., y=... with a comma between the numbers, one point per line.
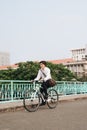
x=34, y=81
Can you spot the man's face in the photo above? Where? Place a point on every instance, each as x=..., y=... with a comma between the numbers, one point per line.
x=42, y=66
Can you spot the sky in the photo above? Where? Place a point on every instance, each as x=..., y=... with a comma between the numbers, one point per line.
x=34, y=30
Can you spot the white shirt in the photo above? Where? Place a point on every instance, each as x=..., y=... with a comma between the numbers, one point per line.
x=45, y=76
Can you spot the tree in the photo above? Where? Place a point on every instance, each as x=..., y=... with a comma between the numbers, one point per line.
x=28, y=71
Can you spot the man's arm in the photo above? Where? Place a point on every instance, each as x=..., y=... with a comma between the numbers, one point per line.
x=38, y=76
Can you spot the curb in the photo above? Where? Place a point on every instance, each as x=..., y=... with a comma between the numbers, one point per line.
x=18, y=105
x=72, y=97
x=11, y=106
x=11, y=109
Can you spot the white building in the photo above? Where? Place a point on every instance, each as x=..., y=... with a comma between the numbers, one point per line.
x=78, y=67
x=4, y=58
x=79, y=63
x=78, y=54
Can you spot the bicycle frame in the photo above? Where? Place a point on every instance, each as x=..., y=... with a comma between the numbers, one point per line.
x=33, y=98
x=37, y=91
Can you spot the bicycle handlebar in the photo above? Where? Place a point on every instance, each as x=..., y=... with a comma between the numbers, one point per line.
x=36, y=81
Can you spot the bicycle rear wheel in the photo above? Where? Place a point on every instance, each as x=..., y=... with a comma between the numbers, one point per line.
x=53, y=98
x=31, y=101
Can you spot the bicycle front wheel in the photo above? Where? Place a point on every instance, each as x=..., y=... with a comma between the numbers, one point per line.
x=52, y=98
x=31, y=101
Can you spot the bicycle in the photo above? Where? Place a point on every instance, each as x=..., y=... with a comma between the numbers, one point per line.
x=33, y=98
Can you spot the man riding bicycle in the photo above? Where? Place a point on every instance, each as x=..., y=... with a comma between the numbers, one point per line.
x=44, y=74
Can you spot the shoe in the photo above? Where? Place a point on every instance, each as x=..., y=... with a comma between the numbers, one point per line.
x=43, y=103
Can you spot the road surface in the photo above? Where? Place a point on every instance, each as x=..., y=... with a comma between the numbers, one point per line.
x=70, y=115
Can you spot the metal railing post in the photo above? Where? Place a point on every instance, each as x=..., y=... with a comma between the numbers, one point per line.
x=12, y=90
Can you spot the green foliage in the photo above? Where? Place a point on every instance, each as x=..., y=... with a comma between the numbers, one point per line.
x=60, y=72
x=28, y=71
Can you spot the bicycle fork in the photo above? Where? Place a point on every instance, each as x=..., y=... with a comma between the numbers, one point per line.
x=33, y=96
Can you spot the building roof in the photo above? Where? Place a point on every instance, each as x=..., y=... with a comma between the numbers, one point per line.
x=61, y=61
x=78, y=49
x=5, y=67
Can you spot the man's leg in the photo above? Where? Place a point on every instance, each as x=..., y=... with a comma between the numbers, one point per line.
x=44, y=86
x=42, y=91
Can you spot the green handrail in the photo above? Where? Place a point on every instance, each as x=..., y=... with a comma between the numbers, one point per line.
x=11, y=90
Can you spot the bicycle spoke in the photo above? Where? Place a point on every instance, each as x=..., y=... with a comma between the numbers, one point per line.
x=52, y=98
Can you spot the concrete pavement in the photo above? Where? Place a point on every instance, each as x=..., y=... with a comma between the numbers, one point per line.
x=18, y=105
x=70, y=115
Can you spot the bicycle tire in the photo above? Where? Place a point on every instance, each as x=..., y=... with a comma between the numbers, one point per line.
x=53, y=98
x=31, y=104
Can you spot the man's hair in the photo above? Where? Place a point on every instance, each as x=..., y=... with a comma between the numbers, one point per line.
x=43, y=62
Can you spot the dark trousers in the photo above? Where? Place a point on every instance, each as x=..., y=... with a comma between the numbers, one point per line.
x=44, y=87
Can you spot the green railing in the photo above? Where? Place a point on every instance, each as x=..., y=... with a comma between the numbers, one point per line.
x=11, y=90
